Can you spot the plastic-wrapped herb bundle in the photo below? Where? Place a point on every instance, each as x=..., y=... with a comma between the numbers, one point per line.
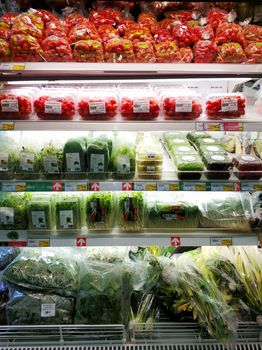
x=51, y=161
x=171, y=212
x=74, y=159
x=51, y=270
x=226, y=210
x=99, y=211
x=184, y=288
x=27, y=164
x=32, y=308
x=123, y=161
x=40, y=212
x=100, y=298
x=98, y=159
x=130, y=214
x=8, y=158
x=13, y=211
x=69, y=212
x=7, y=255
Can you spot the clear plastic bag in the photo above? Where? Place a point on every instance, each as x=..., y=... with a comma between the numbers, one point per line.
x=8, y=158
x=123, y=159
x=7, y=255
x=56, y=49
x=40, y=210
x=51, y=160
x=130, y=213
x=100, y=211
x=13, y=211
x=69, y=212
x=74, y=158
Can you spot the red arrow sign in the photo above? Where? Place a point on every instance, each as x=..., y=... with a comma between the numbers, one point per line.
x=127, y=186
x=57, y=186
x=81, y=241
x=95, y=186
x=175, y=241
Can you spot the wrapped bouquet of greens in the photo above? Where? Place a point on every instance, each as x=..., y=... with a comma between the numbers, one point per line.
x=130, y=216
x=74, y=158
x=98, y=158
x=99, y=211
x=13, y=211
x=50, y=270
x=8, y=159
x=123, y=160
x=51, y=161
x=32, y=308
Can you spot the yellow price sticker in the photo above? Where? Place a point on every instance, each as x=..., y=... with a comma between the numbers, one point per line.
x=173, y=187
x=44, y=243
x=228, y=188
x=150, y=187
x=81, y=187
x=200, y=188
x=18, y=67
x=8, y=126
x=226, y=242
x=257, y=187
x=20, y=188
x=214, y=127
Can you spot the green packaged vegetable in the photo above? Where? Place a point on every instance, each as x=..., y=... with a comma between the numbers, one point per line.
x=203, y=149
x=189, y=166
x=27, y=164
x=8, y=159
x=130, y=214
x=98, y=159
x=31, y=308
x=207, y=141
x=99, y=211
x=13, y=211
x=195, y=135
x=51, y=161
x=69, y=210
x=74, y=159
x=124, y=161
x=40, y=213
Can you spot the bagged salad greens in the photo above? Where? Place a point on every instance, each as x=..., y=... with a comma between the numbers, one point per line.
x=99, y=210
x=101, y=294
x=69, y=211
x=98, y=158
x=123, y=160
x=27, y=163
x=13, y=211
x=226, y=210
x=51, y=161
x=33, y=308
x=171, y=211
x=7, y=255
x=130, y=213
x=108, y=254
x=74, y=158
x=40, y=211
x=8, y=158
x=51, y=270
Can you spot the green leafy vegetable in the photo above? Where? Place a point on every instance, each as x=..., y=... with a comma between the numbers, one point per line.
x=124, y=162
x=27, y=164
x=40, y=213
x=98, y=159
x=13, y=211
x=7, y=255
x=99, y=210
x=74, y=158
x=131, y=211
x=51, y=161
x=69, y=212
x=8, y=159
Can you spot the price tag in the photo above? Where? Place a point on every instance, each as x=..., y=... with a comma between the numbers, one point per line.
x=38, y=243
x=7, y=126
x=201, y=187
x=20, y=66
x=221, y=241
x=233, y=126
x=73, y=186
x=222, y=187
x=151, y=187
x=174, y=187
x=14, y=187
x=257, y=187
x=6, y=66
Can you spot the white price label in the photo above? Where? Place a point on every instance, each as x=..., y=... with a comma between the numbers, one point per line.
x=66, y=219
x=183, y=105
x=97, y=107
x=9, y=106
x=97, y=163
x=6, y=216
x=27, y=161
x=229, y=104
x=141, y=105
x=47, y=310
x=38, y=219
x=73, y=162
x=51, y=164
x=150, y=169
x=53, y=107
x=123, y=164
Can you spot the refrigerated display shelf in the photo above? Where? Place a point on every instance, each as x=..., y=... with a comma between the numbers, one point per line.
x=44, y=69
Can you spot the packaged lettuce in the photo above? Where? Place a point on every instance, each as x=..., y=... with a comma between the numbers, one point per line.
x=130, y=214
x=69, y=212
x=27, y=164
x=51, y=161
x=99, y=211
x=51, y=270
x=171, y=211
x=40, y=212
x=74, y=158
x=123, y=160
x=13, y=211
x=33, y=308
x=189, y=166
x=98, y=159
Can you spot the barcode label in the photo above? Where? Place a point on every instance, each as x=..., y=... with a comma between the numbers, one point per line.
x=141, y=105
x=183, y=104
x=9, y=106
x=53, y=107
x=229, y=104
x=97, y=107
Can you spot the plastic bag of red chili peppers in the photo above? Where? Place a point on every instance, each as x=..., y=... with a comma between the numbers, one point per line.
x=252, y=33
x=144, y=52
x=230, y=32
x=187, y=55
x=139, y=104
x=9, y=17
x=74, y=19
x=119, y=50
x=97, y=104
x=5, y=51
x=107, y=32
x=138, y=33
x=57, y=28
x=5, y=31
x=181, y=105
x=183, y=15
x=45, y=15
x=15, y=104
x=219, y=106
x=56, y=49
x=123, y=25
x=55, y=104
x=99, y=17
x=216, y=16
x=148, y=20
x=205, y=51
x=205, y=32
x=230, y=53
x=162, y=35
x=88, y=51
x=167, y=23
x=167, y=52
x=28, y=24
x=83, y=32
x=25, y=48
x=183, y=35
x=253, y=52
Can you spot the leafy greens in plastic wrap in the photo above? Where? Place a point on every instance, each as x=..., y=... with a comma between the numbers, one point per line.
x=13, y=211
x=99, y=210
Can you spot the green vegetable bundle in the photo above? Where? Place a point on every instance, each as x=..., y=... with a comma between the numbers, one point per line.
x=99, y=211
x=50, y=270
x=69, y=212
x=27, y=164
x=130, y=214
x=7, y=255
x=13, y=211
x=124, y=161
x=40, y=213
x=98, y=159
x=74, y=159
x=51, y=161
x=8, y=159
x=32, y=308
